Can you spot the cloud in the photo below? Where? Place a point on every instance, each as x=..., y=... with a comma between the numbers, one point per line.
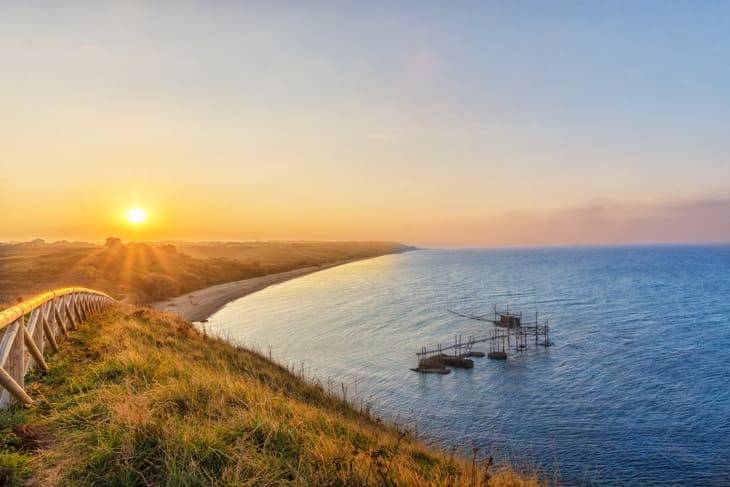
x=605, y=223
x=421, y=71
x=422, y=65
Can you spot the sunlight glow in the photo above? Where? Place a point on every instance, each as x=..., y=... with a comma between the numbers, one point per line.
x=136, y=216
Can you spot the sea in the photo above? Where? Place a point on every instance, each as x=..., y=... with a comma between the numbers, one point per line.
x=634, y=389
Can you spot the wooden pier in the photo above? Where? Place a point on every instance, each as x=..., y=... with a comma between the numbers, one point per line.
x=510, y=333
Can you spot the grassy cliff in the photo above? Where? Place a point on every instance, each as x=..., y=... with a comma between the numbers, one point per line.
x=137, y=397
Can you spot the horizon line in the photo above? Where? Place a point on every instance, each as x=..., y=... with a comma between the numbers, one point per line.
x=416, y=245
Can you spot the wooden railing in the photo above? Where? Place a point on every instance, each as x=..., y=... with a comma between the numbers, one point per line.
x=31, y=327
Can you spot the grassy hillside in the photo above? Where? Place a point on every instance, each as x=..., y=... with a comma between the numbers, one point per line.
x=137, y=397
x=285, y=255
x=143, y=273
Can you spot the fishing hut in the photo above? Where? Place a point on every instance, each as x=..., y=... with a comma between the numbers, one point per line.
x=510, y=331
x=508, y=320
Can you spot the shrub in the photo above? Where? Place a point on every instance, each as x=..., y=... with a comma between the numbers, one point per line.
x=159, y=286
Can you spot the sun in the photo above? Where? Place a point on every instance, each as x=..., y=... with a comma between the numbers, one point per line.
x=136, y=216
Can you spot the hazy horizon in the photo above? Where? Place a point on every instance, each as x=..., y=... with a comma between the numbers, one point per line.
x=414, y=245
x=473, y=124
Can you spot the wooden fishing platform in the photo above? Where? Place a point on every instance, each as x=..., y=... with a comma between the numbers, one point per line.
x=510, y=332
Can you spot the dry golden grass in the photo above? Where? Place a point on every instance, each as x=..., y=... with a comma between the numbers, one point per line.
x=138, y=397
x=142, y=273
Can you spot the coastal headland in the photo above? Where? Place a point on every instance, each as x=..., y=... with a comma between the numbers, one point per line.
x=151, y=272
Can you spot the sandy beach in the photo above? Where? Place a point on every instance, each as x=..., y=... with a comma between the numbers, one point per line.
x=201, y=304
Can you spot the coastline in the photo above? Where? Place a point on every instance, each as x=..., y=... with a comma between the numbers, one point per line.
x=202, y=304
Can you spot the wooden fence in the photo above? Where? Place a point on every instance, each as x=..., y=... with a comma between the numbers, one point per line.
x=33, y=326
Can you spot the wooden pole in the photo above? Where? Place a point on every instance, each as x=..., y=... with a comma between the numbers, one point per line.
x=49, y=334
x=70, y=316
x=60, y=320
x=33, y=349
x=14, y=388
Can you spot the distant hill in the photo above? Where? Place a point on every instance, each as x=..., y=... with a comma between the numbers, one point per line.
x=144, y=272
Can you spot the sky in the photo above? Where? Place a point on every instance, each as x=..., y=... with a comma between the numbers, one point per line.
x=442, y=123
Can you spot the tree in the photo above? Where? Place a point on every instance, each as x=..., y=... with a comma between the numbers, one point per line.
x=113, y=243
x=168, y=248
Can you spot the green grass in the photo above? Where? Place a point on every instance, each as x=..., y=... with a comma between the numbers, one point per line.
x=138, y=397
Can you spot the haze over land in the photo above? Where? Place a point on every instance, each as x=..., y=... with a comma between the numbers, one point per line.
x=483, y=124
x=147, y=272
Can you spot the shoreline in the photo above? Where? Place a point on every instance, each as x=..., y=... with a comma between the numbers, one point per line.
x=201, y=304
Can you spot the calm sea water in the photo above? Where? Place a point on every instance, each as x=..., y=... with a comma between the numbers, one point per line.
x=634, y=391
